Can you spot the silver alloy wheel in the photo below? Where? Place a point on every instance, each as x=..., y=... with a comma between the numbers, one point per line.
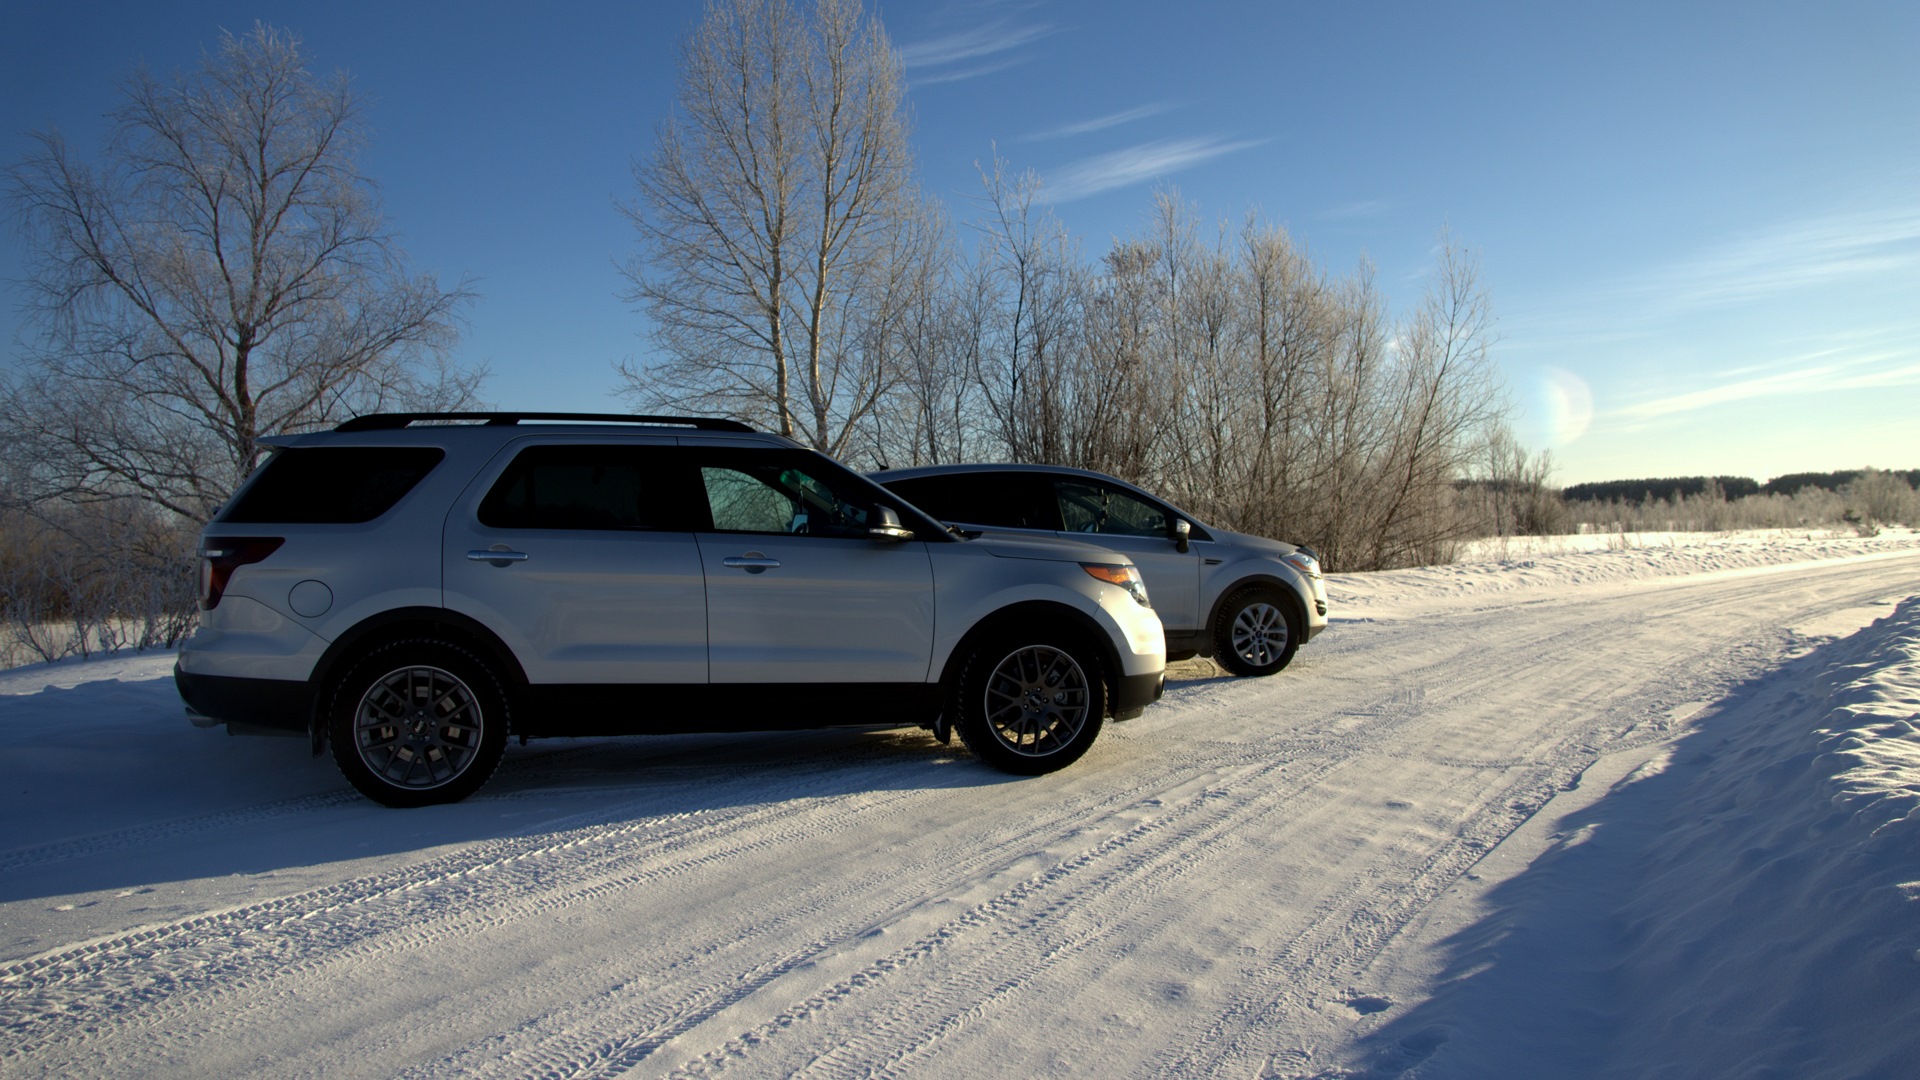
x=1037, y=700
x=1260, y=634
x=418, y=727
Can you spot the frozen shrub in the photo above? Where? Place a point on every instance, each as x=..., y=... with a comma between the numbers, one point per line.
x=1883, y=498
x=76, y=579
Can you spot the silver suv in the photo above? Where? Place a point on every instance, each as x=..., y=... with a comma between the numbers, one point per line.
x=414, y=588
x=1246, y=601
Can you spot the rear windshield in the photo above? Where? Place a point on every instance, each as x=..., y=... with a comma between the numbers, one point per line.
x=331, y=485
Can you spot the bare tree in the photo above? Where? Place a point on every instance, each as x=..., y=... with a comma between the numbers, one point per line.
x=221, y=275
x=1202, y=355
x=781, y=230
x=1883, y=498
x=1444, y=395
x=1508, y=490
x=1290, y=330
x=1025, y=295
x=931, y=415
x=1344, y=433
x=1120, y=420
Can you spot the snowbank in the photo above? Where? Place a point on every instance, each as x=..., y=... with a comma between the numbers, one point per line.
x=1746, y=905
x=1571, y=561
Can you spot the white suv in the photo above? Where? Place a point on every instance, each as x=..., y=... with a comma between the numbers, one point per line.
x=1247, y=601
x=413, y=588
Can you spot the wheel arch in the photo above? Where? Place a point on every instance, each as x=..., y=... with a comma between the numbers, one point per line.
x=1295, y=607
x=1028, y=615
x=401, y=624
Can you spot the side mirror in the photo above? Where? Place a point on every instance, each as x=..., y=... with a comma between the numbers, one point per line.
x=886, y=526
x=1181, y=531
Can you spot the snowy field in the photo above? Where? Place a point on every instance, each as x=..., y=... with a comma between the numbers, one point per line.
x=1640, y=811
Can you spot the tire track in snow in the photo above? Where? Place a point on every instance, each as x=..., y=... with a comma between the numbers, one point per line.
x=1350, y=919
x=1254, y=803
x=571, y=1048
x=151, y=976
x=1128, y=880
x=227, y=953
x=1316, y=965
x=1027, y=928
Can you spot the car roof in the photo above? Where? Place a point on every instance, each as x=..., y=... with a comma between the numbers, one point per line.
x=390, y=421
x=911, y=472
x=388, y=429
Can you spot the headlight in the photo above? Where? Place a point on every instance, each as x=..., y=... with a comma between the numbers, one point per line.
x=1303, y=562
x=1127, y=577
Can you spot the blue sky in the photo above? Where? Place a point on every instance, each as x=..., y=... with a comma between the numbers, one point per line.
x=1699, y=223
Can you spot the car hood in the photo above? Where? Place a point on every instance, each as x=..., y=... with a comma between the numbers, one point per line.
x=1276, y=548
x=1047, y=550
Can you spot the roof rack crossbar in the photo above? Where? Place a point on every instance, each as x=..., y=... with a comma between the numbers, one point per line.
x=394, y=421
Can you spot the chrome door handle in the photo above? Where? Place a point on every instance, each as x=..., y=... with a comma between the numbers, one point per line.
x=497, y=558
x=752, y=564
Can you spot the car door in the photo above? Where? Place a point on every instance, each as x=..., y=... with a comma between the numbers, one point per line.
x=1113, y=517
x=582, y=557
x=798, y=591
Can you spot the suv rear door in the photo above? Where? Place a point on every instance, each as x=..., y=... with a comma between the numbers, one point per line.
x=580, y=555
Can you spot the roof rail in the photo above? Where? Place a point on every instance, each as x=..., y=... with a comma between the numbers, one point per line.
x=394, y=421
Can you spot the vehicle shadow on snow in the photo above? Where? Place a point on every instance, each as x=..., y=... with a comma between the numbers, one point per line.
x=106, y=787
x=1712, y=913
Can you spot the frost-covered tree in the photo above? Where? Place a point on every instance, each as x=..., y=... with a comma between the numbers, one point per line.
x=1883, y=498
x=222, y=272
x=783, y=238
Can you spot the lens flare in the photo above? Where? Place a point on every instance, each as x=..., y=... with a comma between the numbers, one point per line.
x=1564, y=403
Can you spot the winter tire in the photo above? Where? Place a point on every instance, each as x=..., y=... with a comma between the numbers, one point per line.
x=1030, y=704
x=1256, y=632
x=416, y=723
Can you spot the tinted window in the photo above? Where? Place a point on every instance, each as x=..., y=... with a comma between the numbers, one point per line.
x=794, y=494
x=582, y=487
x=1007, y=500
x=331, y=485
x=1091, y=507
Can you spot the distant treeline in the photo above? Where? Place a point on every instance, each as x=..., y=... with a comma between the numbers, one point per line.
x=1639, y=492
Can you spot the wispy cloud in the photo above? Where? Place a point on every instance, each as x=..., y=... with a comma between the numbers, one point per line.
x=973, y=71
x=960, y=52
x=1791, y=256
x=1877, y=249
x=1825, y=371
x=1365, y=208
x=1101, y=123
x=1136, y=163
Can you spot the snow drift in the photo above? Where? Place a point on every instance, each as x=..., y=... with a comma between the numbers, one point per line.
x=1745, y=904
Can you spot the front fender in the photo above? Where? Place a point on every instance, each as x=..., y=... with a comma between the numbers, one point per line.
x=1293, y=587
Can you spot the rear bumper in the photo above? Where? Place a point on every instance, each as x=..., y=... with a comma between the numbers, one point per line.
x=270, y=705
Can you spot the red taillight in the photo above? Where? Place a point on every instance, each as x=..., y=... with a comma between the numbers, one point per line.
x=220, y=556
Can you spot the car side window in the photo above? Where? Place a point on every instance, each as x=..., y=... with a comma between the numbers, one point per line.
x=767, y=493
x=580, y=487
x=1006, y=500
x=1087, y=506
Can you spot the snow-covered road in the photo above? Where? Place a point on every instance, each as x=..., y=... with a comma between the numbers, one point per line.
x=1295, y=876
